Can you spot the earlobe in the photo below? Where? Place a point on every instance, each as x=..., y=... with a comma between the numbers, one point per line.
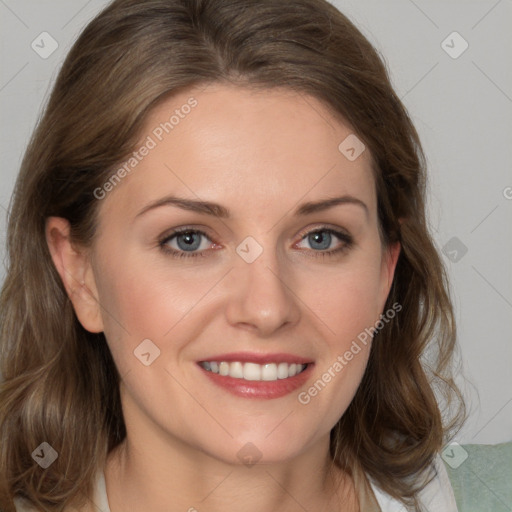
x=75, y=271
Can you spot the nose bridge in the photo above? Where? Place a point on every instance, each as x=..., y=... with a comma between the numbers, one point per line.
x=261, y=297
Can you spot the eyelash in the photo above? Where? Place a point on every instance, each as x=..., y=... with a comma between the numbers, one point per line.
x=343, y=237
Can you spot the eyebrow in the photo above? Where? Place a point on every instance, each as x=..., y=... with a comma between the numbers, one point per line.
x=217, y=210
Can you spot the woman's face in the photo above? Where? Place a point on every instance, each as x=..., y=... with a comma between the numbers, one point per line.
x=267, y=272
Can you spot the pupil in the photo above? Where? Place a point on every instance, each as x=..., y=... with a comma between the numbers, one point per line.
x=191, y=241
x=321, y=238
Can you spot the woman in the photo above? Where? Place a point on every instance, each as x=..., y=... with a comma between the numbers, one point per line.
x=221, y=281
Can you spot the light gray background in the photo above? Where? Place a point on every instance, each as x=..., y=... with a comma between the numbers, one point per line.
x=461, y=106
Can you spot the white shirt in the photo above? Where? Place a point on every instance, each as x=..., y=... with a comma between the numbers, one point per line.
x=437, y=496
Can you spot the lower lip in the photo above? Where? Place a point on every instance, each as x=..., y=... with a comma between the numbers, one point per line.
x=260, y=388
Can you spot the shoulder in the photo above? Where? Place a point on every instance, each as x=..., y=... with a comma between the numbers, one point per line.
x=437, y=495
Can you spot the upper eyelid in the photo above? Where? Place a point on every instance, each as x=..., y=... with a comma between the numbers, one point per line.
x=323, y=227
x=179, y=231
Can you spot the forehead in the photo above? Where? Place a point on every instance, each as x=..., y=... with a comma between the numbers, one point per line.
x=253, y=149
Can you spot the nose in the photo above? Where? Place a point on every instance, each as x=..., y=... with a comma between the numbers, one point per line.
x=262, y=298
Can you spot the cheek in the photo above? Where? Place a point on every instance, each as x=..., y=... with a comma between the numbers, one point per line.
x=345, y=299
x=146, y=298
x=347, y=306
x=144, y=301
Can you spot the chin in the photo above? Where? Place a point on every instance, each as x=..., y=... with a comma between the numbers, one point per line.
x=259, y=449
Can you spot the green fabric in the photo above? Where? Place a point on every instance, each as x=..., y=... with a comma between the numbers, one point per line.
x=483, y=481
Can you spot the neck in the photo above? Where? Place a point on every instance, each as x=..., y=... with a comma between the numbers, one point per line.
x=177, y=477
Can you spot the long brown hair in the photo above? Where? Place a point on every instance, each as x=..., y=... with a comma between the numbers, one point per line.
x=59, y=382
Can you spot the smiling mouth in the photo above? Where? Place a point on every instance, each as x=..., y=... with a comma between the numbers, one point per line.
x=253, y=371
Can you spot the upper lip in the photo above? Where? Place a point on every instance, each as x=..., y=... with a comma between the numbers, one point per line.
x=252, y=357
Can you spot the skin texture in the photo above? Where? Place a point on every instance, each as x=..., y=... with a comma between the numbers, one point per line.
x=260, y=154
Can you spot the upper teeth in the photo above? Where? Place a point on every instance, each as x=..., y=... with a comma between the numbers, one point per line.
x=253, y=371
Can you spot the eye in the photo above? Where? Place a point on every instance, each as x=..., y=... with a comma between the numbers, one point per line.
x=185, y=243
x=323, y=239
x=190, y=243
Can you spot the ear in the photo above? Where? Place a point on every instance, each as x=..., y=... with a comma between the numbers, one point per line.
x=389, y=260
x=74, y=268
